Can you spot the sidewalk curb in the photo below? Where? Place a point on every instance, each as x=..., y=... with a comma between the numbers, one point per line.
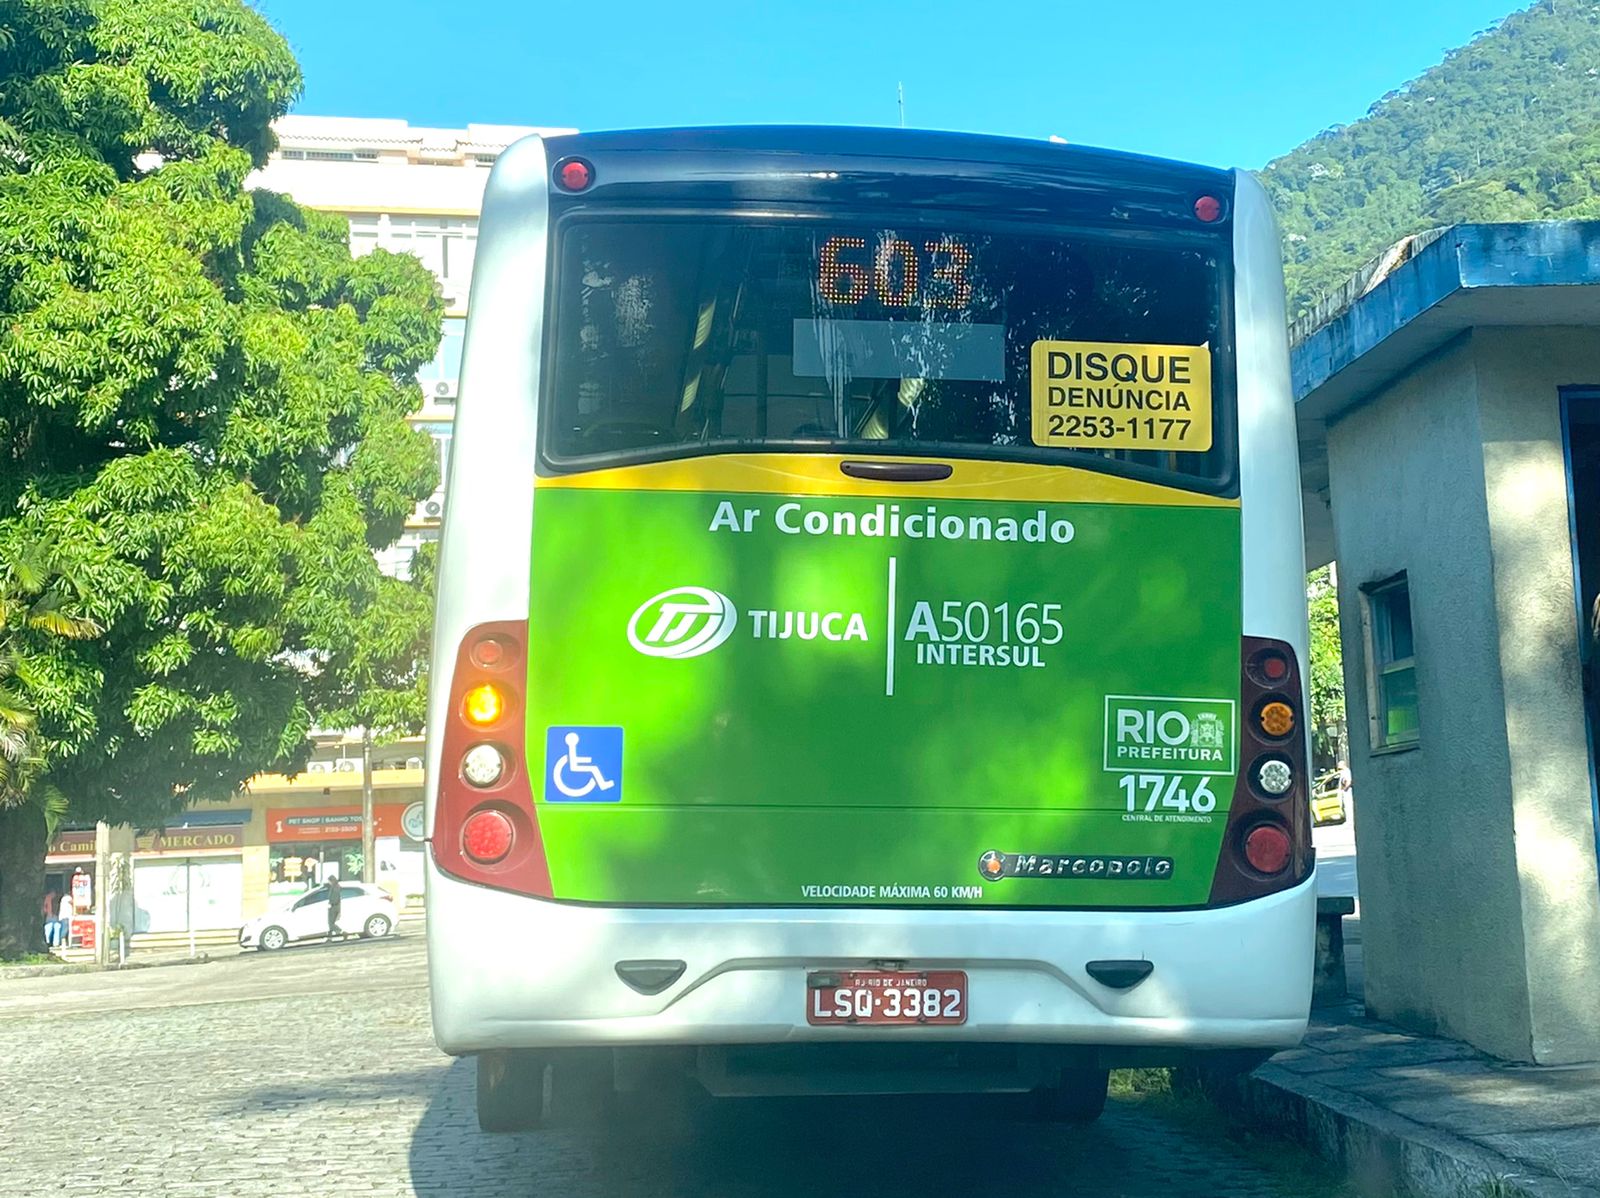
x=1384, y=1152
x=15, y=972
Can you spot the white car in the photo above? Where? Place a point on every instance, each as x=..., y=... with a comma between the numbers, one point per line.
x=365, y=910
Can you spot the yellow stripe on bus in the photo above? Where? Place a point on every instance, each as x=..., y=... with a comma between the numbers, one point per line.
x=819, y=474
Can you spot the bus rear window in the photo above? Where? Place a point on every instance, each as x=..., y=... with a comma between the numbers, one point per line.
x=680, y=337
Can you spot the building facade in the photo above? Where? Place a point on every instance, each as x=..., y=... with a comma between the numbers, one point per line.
x=409, y=190
x=1449, y=416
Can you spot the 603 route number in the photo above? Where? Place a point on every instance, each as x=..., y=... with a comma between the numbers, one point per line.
x=848, y=272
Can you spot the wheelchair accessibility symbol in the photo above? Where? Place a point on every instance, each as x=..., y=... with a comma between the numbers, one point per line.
x=583, y=765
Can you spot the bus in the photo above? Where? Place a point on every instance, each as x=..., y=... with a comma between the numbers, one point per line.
x=871, y=628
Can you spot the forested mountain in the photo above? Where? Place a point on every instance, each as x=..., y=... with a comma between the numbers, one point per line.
x=1505, y=128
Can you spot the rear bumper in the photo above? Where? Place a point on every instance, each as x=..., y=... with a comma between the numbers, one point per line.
x=508, y=971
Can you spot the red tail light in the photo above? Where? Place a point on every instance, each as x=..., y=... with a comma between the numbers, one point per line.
x=1267, y=846
x=485, y=829
x=487, y=836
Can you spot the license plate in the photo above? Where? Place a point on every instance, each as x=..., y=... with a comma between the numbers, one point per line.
x=874, y=997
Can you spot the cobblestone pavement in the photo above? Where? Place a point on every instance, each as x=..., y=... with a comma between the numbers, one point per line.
x=313, y=1072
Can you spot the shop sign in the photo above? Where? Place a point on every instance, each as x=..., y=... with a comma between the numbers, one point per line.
x=72, y=844
x=331, y=823
x=414, y=822
x=82, y=892
x=83, y=930
x=191, y=840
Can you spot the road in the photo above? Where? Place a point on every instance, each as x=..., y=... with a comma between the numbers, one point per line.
x=313, y=1071
x=1336, y=859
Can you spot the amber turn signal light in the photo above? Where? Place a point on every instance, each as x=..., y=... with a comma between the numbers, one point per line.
x=483, y=705
x=1276, y=718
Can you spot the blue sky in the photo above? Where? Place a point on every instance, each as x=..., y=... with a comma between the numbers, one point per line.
x=1228, y=82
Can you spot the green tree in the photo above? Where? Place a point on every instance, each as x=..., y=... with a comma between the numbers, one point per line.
x=203, y=405
x=1326, y=676
x=36, y=604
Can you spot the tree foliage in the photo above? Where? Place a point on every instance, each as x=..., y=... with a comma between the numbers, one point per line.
x=1505, y=128
x=35, y=603
x=202, y=409
x=1326, y=675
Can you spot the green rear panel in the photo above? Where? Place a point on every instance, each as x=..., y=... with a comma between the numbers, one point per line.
x=767, y=770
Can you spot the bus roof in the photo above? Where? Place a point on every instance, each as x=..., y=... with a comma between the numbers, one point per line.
x=806, y=162
x=871, y=142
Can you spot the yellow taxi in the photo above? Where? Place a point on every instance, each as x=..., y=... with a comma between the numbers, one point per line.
x=1327, y=801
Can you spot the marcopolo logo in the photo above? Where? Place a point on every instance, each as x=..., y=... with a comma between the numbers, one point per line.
x=682, y=622
x=1161, y=735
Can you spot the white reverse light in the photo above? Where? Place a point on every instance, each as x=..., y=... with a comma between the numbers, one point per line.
x=1275, y=777
x=483, y=765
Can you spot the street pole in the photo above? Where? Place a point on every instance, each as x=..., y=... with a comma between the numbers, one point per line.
x=368, y=866
x=102, y=889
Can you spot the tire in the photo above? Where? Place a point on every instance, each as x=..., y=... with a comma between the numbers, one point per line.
x=511, y=1090
x=376, y=925
x=1079, y=1097
x=272, y=939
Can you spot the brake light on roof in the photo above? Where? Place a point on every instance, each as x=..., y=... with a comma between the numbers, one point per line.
x=574, y=174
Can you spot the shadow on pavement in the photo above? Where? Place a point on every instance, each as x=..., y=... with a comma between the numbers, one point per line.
x=681, y=1145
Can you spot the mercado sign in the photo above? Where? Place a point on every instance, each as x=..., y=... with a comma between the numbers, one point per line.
x=189, y=840
x=220, y=838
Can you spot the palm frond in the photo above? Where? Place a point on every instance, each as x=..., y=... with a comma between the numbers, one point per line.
x=58, y=623
x=13, y=746
x=55, y=804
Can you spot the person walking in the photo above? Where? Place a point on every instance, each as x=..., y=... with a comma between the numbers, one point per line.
x=335, y=908
x=64, y=932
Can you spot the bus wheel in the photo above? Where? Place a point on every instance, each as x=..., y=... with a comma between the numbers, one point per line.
x=511, y=1090
x=1079, y=1097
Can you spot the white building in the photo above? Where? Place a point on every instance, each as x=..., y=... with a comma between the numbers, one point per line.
x=410, y=190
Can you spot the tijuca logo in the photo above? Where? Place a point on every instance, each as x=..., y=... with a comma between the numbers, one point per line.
x=682, y=622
